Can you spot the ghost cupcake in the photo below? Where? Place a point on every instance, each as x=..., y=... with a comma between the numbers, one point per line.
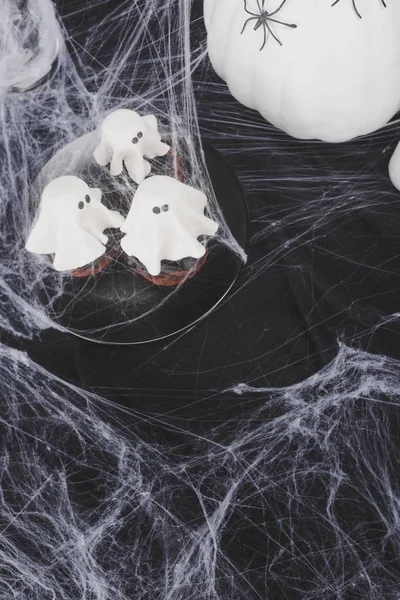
x=70, y=227
x=165, y=230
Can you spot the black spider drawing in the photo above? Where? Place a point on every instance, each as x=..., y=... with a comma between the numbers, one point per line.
x=355, y=6
x=264, y=18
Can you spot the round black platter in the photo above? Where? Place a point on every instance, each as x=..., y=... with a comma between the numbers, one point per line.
x=118, y=305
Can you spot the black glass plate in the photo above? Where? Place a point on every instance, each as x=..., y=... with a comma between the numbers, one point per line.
x=118, y=305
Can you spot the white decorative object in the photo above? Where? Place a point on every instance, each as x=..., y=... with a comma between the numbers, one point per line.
x=127, y=138
x=394, y=167
x=71, y=223
x=31, y=43
x=164, y=223
x=315, y=68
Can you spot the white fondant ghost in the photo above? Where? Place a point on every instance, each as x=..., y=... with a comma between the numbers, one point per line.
x=164, y=223
x=70, y=224
x=128, y=138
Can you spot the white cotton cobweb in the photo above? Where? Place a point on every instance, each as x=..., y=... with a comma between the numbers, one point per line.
x=31, y=43
x=285, y=486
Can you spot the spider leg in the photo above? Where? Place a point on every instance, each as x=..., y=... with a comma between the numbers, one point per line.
x=291, y=25
x=248, y=20
x=384, y=3
x=354, y=6
x=272, y=33
x=249, y=11
x=356, y=9
x=279, y=8
x=265, y=36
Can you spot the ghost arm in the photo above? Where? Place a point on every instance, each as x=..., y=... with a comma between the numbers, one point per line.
x=102, y=154
x=112, y=218
x=115, y=218
x=202, y=225
x=155, y=148
x=103, y=217
x=197, y=221
x=92, y=230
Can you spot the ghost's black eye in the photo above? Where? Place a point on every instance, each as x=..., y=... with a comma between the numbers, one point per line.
x=135, y=140
x=87, y=198
x=156, y=210
x=140, y=135
x=165, y=207
x=81, y=205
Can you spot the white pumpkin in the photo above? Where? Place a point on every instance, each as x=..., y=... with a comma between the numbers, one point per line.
x=320, y=69
x=394, y=167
